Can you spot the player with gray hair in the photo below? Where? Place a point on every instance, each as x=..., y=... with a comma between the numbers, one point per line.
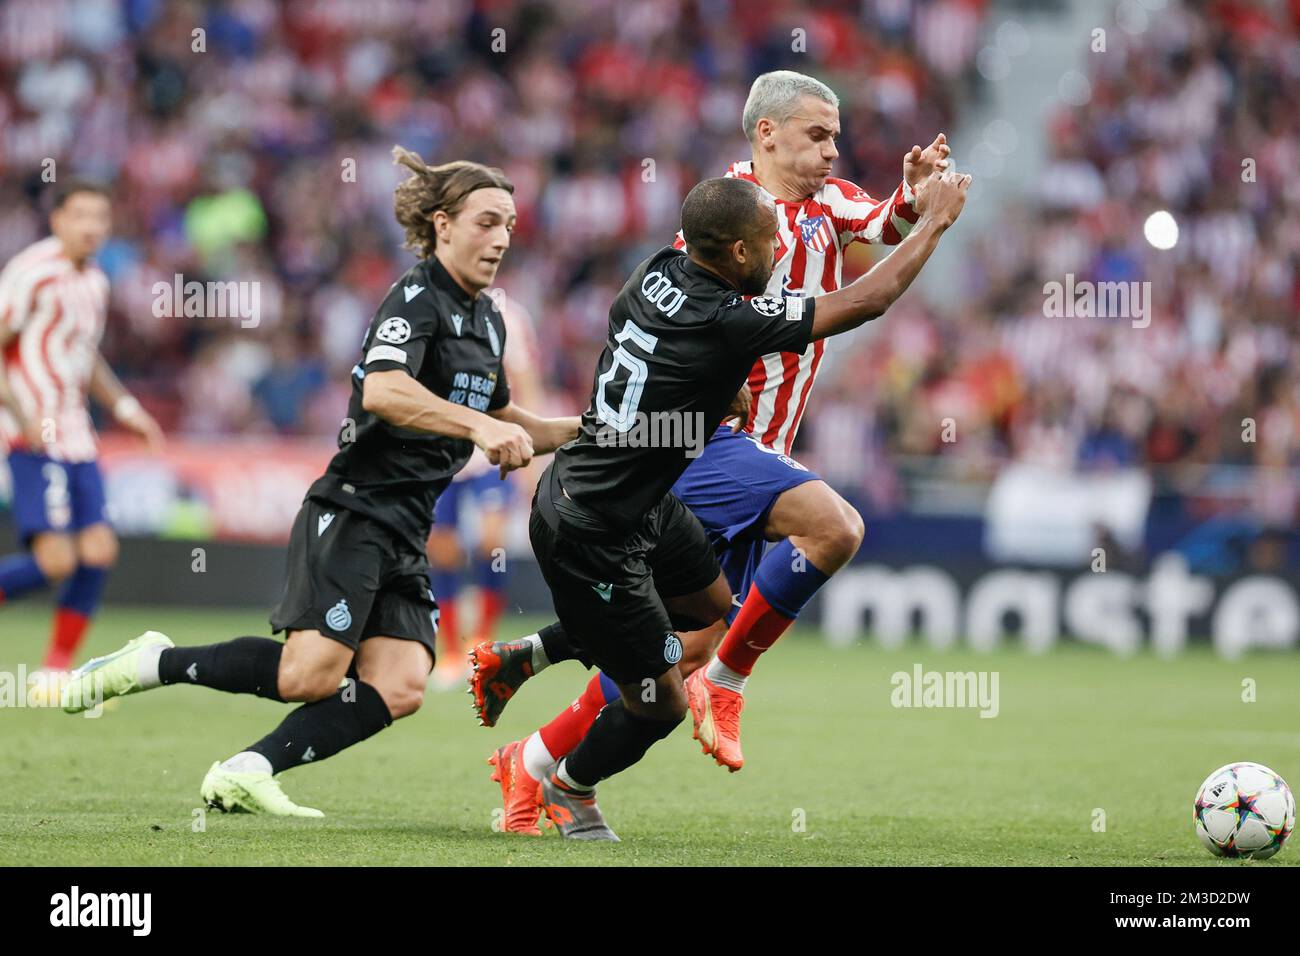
x=745, y=487
x=777, y=96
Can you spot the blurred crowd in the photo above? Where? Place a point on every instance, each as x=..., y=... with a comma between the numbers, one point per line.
x=259, y=149
x=1194, y=113
x=250, y=140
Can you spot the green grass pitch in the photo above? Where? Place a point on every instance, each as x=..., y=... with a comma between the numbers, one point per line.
x=835, y=774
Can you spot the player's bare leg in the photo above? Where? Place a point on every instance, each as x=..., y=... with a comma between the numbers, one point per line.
x=490, y=574
x=96, y=552
x=698, y=647
x=308, y=667
x=819, y=533
x=50, y=561
x=389, y=681
x=447, y=562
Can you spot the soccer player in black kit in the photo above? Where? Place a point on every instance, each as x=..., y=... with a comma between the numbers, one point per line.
x=682, y=339
x=359, y=617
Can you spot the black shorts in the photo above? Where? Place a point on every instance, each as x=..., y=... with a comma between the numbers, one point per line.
x=351, y=578
x=609, y=591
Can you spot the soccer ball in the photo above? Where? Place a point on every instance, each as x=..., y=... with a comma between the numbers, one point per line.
x=1245, y=810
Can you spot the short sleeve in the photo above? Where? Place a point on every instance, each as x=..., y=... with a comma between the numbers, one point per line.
x=501, y=394
x=769, y=323
x=400, y=333
x=856, y=214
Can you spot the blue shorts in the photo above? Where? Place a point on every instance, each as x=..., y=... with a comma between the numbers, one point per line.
x=57, y=496
x=487, y=492
x=731, y=487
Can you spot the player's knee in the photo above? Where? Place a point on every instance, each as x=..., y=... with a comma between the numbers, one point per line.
x=403, y=698
x=444, y=551
x=719, y=601
x=841, y=536
x=98, y=550
x=56, y=557
x=303, y=682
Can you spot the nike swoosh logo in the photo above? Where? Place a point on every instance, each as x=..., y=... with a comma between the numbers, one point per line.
x=323, y=522
x=411, y=291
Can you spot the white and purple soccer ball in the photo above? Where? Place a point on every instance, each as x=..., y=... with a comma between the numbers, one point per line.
x=1244, y=810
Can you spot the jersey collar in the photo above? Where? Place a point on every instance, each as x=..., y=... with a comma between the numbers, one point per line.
x=443, y=280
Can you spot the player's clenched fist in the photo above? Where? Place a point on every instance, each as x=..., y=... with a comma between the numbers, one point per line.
x=505, y=444
x=943, y=196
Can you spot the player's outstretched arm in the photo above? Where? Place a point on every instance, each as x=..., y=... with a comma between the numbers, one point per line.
x=106, y=389
x=939, y=204
x=400, y=400
x=547, y=434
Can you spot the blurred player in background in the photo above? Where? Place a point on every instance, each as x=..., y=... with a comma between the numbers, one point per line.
x=53, y=303
x=472, y=514
x=745, y=488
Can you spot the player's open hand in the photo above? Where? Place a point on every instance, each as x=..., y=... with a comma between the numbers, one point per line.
x=738, y=411
x=144, y=425
x=920, y=164
x=942, y=197
x=506, y=444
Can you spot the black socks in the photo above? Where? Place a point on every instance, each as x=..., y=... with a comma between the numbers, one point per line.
x=323, y=728
x=555, y=642
x=246, y=665
x=618, y=739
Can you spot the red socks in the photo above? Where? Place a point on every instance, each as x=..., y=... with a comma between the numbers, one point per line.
x=492, y=604
x=65, y=637
x=571, y=724
x=448, y=633
x=757, y=627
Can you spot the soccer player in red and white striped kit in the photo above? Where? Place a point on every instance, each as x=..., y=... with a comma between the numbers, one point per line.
x=745, y=488
x=53, y=304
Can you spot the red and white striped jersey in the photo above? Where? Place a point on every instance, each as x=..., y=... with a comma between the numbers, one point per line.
x=810, y=258
x=57, y=312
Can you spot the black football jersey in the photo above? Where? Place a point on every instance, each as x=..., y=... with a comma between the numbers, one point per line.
x=429, y=328
x=681, y=343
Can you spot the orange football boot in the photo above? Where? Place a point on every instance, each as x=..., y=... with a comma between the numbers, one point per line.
x=716, y=712
x=520, y=793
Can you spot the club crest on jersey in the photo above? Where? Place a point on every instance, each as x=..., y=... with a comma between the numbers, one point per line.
x=492, y=338
x=339, y=618
x=816, y=233
x=672, y=649
x=768, y=304
x=394, y=330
